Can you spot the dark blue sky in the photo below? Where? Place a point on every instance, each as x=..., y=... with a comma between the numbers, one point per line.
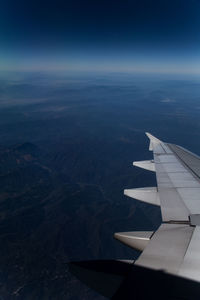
x=159, y=35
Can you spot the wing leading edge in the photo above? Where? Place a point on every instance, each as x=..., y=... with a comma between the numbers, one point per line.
x=175, y=246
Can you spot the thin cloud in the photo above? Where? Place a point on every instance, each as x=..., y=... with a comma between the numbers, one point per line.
x=167, y=100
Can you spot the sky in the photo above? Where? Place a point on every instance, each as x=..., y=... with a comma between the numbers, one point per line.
x=129, y=35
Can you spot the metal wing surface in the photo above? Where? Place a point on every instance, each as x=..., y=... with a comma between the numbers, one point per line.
x=175, y=246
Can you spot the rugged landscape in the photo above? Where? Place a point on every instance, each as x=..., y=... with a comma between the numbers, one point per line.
x=65, y=158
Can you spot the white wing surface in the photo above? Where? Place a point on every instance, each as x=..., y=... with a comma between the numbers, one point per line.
x=175, y=246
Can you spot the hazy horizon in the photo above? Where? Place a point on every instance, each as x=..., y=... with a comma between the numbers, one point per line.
x=130, y=36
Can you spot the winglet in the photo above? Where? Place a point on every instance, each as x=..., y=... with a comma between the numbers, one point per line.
x=153, y=140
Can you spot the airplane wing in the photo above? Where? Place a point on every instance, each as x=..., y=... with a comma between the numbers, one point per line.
x=175, y=246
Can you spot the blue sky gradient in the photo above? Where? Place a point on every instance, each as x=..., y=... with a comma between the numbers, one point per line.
x=142, y=36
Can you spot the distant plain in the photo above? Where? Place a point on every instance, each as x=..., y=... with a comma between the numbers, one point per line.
x=67, y=143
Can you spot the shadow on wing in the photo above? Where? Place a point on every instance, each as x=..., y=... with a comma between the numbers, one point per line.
x=122, y=280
